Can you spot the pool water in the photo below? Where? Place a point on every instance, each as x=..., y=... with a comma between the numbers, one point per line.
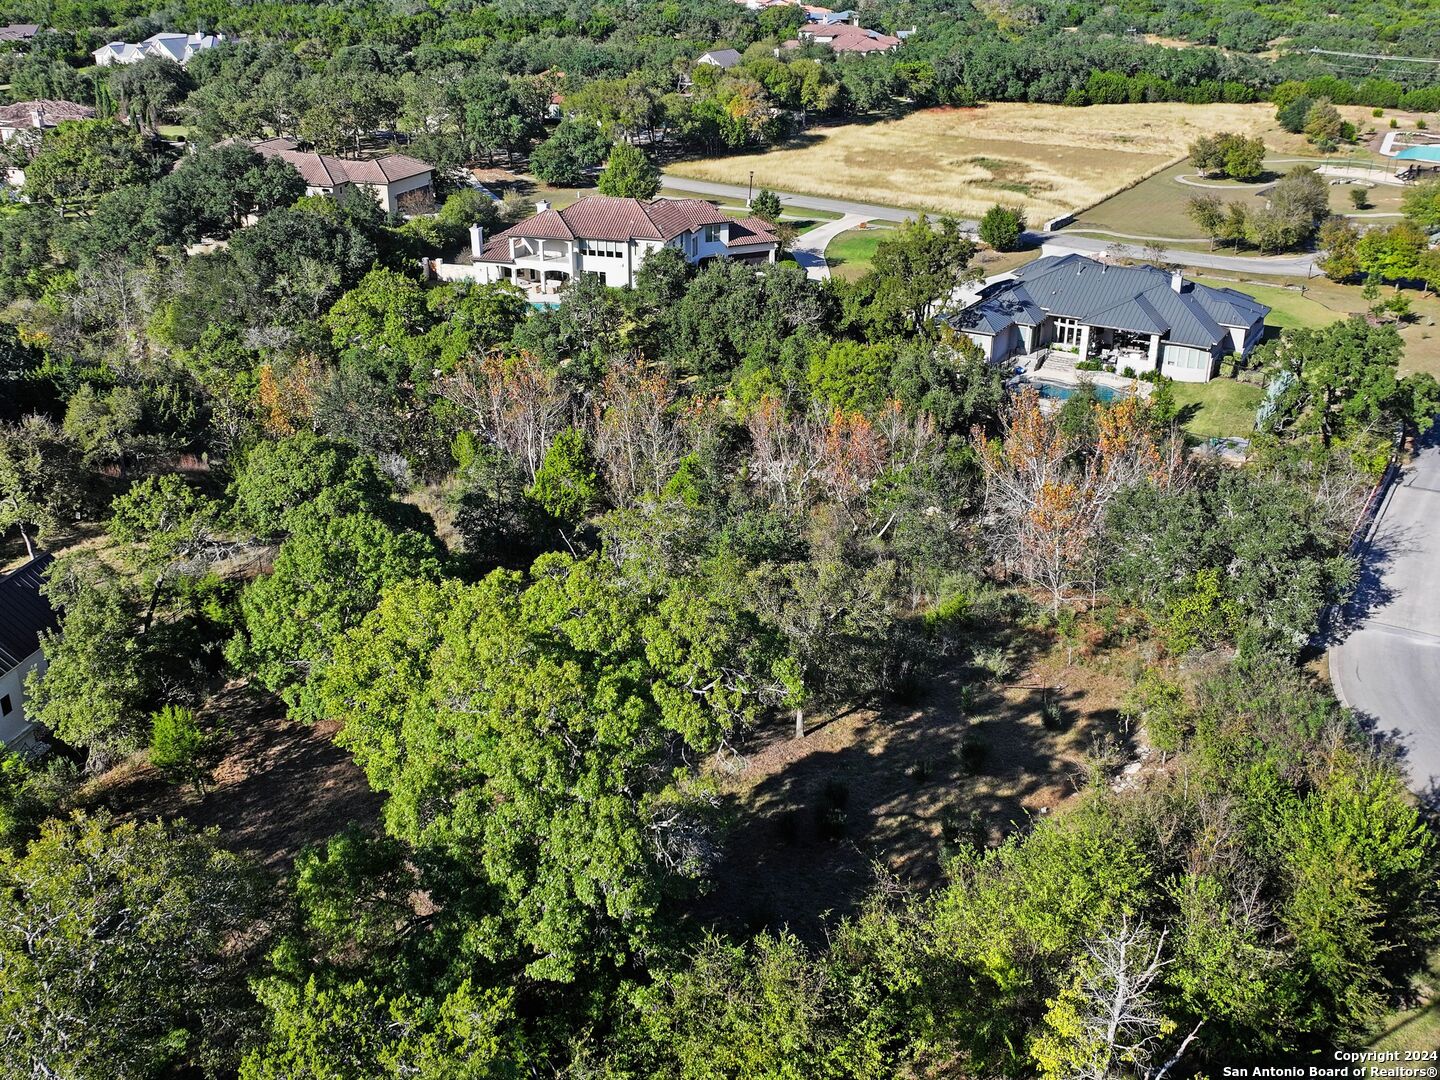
x=1056, y=392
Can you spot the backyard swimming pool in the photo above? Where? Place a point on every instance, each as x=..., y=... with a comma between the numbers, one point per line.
x=1058, y=392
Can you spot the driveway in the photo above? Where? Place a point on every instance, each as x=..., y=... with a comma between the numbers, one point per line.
x=1386, y=663
x=809, y=248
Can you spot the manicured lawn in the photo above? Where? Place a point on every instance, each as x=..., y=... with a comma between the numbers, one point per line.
x=1289, y=308
x=1049, y=159
x=850, y=253
x=1221, y=407
x=1325, y=301
x=172, y=131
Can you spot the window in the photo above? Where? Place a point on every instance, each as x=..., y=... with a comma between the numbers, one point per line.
x=604, y=249
x=1068, y=332
x=712, y=234
x=5, y=705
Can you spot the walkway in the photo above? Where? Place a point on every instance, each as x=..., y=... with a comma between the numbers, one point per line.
x=738, y=192
x=1385, y=662
x=809, y=248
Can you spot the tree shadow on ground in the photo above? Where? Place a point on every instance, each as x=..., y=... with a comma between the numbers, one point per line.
x=888, y=791
x=279, y=787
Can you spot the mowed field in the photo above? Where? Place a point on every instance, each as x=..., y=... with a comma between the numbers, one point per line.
x=1049, y=159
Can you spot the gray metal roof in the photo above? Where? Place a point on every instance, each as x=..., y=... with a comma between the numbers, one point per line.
x=1142, y=299
x=24, y=612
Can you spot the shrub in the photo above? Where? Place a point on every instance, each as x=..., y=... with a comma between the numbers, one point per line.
x=1360, y=197
x=973, y=752
x=996, y=661
x=178, y=748
x=1052, y=715
x=1002, y=226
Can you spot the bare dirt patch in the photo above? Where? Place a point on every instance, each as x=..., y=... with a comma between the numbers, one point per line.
x=894, y=788
x=279, y=787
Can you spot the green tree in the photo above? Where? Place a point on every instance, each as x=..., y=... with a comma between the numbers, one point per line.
x=99, y=673
x=329, y=573
x=567, y=485
x=42, y=478
x=1421, y=204
x=80, y=160
x=566, y=158
x=1344, y=378
x=212, y=192
x=629, y=174
x=1293, y=114
x=277, y=480
x=566, y=704
x=1338, y=240
x=385, y=312
x=1323, y=123
x=912, y=273
x=1002, y=227
x=148, y=90
x=123, y=949
x=179, y=748
x=766, y=205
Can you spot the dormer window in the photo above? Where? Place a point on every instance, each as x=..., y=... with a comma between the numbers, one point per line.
x=712, y=234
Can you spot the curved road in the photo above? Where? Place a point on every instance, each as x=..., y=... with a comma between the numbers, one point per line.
x=1386, y=663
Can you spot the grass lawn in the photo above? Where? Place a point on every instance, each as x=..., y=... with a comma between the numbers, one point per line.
x=1289, y=308
x=1049, y=159
x=849, y=254
x=172, y=131
x=1418, y=1028
x=1221, y=407
x=1325, y=301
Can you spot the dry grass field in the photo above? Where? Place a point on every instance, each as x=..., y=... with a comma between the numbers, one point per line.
x=1047, y=158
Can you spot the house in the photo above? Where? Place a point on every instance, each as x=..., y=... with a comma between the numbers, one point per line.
x=18, y=32
x=1130, y=318
x=177, y=47
x=724, y=59
x=27, y=121
x=610, y=238
x=24, y=615
x=843, y=38
x=388, y=179
x=39, y=115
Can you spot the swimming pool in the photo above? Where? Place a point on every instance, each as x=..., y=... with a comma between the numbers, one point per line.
x=1058, y=392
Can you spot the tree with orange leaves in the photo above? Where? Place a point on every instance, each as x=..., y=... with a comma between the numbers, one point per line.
x=1045, y=497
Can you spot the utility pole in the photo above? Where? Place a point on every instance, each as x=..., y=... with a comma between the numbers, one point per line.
x=750, y=189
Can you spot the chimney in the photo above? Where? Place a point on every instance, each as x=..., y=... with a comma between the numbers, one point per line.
x=1177, y=282
x=542, y=205
x=37, y=117
x=477, y=240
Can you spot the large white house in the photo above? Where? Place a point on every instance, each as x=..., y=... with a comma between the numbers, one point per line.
x=178, y=47
x=1132, y=319
x=388, y=179
x=610, y=238
x=24, y=615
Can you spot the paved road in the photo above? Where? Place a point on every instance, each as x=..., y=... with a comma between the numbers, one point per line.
x=1058, y=243
x=738, y=192
x=809, y=248
x=1054, y=242
x=1386, y=664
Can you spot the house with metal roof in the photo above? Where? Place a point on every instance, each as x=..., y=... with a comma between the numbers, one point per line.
x=610, y=238
x=1132, y=319
x=25, y=615
x=180, y=48
x=724, y=59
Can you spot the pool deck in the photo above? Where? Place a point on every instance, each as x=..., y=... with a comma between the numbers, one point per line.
x=1058, y=369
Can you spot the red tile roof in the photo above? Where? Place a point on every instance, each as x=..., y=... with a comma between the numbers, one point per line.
x=601, y=217
x=323, y=170
x=22, y=113
x=843, y=37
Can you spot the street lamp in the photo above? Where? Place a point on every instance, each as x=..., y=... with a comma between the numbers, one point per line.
x=750, y=189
